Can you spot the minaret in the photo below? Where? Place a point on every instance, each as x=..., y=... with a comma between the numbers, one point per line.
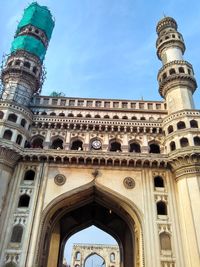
x=182, y=141
x=21, y=78
x=22, y=73
x=176, y=77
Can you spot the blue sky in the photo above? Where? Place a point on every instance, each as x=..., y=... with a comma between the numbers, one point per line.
x=106, y=48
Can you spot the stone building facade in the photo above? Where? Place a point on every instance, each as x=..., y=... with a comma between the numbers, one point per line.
x=108, y=253
x=131, y=168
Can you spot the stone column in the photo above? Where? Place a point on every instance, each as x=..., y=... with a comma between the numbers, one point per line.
x=8, y=159
x=188, y=196
x=54, y=247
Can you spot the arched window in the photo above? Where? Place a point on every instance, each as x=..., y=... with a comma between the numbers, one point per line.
x=165, y=241
x=184, y=142
x=106, y=117
x=44, y=113
x=70, y=115
x=112, y=257
x=97, y=116
x=37, y=142
x=154, y=148
x=61, y=114
x=77, y=145
x=158, y=182
x=170, y=129
x=161, y=208
x=134, y=147
x=23, y=122
x=1, y=114
x=115, y=146
x=27, y=64
x=164, y=76
x=181, y=125
x=10, y=63
x=125, y=118
x=79, y=115
x=78, y=256
x=52, y=114
x=134, y=118
x=172, y=146
x=23, y=201
x=17, y=62
x=12, y=117
x=29, y=175
x=142, y=118
x=181, y=70
x=115, y=117
x=172, y=71
x=57, y=144
x=193, y=124
x=197, y=141
x=17, y=234
x=35, y=70
x=7, y=134
x=88, y=116
x=19, y=139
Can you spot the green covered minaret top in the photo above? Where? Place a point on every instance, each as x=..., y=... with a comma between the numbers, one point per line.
x=34, y=31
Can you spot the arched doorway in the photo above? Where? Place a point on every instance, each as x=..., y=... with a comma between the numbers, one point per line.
x=81, y=208
x=100, y=261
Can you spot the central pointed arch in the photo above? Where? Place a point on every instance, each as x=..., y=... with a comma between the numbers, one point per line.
x=62, y=218
x=93, y=254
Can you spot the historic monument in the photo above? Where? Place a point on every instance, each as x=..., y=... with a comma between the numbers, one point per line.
x=131, y=168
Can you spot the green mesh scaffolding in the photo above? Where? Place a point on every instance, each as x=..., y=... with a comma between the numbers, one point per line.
x=38, y=16
x=30, y=44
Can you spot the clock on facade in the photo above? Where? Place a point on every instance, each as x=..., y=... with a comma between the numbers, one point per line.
x=96, y=144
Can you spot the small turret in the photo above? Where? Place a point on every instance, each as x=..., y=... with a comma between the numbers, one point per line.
x=22, y=73
x=176, y=77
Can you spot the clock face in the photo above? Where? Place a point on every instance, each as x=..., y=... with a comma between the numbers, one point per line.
x=96, y=144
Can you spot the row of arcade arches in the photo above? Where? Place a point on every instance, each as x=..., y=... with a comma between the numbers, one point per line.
x=184, y=142
x=181, y=125
x=77, y=144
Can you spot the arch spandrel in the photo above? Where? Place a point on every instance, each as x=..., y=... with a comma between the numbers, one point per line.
x=110, y=182
x=85, y=195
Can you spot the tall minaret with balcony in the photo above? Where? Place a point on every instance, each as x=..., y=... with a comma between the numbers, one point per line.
x=182, y=136
x=21, y=78
x=176, y=78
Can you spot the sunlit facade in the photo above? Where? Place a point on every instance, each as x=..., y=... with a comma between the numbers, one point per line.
x=131, y=168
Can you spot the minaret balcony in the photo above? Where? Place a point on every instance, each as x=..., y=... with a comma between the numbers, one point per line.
x=175, y=73
x=168, y=40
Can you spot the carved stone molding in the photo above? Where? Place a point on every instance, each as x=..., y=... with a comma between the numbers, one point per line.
x=60, y=179
x=185, y=161
x=8, y=156
x=129, y=182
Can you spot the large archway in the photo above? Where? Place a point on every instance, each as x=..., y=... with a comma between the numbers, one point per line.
x=81, y=208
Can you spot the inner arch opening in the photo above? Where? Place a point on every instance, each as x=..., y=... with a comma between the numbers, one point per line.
x=91, y=247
